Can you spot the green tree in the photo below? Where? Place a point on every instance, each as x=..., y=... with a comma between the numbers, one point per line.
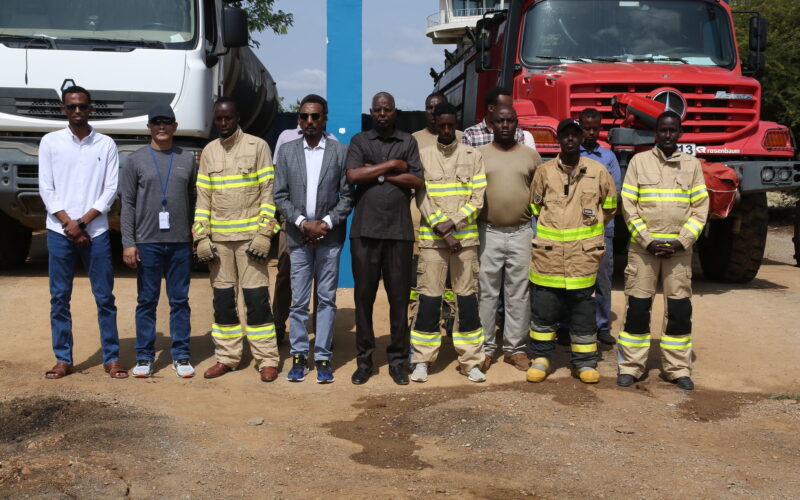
x=780, y=91
x=261, y=16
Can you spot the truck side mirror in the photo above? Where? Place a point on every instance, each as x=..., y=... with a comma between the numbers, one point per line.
x=234, y=27
x=758, y=33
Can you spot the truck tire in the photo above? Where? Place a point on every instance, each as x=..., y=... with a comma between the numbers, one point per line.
x=14, y=243
x=731, y=249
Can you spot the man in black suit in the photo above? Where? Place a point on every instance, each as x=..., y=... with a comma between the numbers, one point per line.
x=312, y=192
x=384, y=165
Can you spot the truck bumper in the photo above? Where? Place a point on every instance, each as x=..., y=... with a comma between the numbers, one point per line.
x=19, y=184
x=767, y=175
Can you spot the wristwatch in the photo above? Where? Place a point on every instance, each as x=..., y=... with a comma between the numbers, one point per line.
x=81, y=224
x=381, y=179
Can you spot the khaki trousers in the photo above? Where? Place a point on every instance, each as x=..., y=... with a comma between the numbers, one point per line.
x=233, y=269
x=641, y=277
x=426, y=336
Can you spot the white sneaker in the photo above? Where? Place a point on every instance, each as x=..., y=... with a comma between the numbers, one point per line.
x=183, y=368
x=476, y=375
x=143, y=369
x=420, y=373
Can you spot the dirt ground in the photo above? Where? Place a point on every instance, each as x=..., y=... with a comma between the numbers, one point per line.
x=88, y=436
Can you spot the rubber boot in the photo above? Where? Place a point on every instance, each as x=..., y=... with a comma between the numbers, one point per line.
x=538, y=371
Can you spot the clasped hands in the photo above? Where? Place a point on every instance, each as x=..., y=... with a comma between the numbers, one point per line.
x=664, y=249
x=445, y=230
x=73, y=232
x=313, y=231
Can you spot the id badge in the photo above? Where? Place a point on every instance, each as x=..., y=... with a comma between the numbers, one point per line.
x=163, y=220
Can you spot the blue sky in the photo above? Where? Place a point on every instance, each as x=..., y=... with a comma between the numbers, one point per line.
x=397, y=56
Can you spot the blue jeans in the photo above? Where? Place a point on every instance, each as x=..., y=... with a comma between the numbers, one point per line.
x=173, y=261
x=96, y=259
x=602, y=289
x=319, y=263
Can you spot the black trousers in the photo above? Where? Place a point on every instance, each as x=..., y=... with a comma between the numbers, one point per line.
x=374, y=259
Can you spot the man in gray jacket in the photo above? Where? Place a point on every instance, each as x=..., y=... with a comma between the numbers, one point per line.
x=312, y=192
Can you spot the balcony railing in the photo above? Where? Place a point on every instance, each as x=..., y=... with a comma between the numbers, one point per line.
x=455, y=15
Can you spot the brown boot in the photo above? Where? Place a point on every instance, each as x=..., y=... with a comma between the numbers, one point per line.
x=268, y=373
x=217, y=370
x=518, y=360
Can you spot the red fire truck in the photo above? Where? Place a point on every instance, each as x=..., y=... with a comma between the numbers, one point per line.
x=631, y=60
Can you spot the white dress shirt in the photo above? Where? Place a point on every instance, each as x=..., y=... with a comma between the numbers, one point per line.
x=76, y=175
x=313, y=170
x=290, y=134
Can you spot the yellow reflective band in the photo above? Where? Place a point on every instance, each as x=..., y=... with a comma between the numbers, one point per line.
x=200, y=214
x=610, y=202
x=675, y=343
x=543, y=336
x=436, y=218
x=631, y=340
x=470, y=338
x=479, y=180
x=698, y=193
x=226, y=331
x=267, y=209
x=570, y=283
x=574, y=234
x=449, y=295
x=261, y=332
x=629, y=191
x=199, y=228
x=636, y=226
x=693, y=226
x=234, y=226
x=420, y=338
x=469, y=231
x=584, y=347
x=468, y=209
x=535, y=209
x=413, y=295
x=664, y=236
x=448, y=189
x=235, y=181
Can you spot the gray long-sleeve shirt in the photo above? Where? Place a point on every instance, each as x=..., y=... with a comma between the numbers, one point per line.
x=141, y=193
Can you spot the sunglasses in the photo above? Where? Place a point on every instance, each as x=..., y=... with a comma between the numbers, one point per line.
x=73, y=107
x=314, y=116
x=162, y=121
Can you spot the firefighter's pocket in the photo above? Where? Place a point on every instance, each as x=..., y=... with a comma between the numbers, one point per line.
x=464, y=172
x=649, y=176
x=464, y=179
x=684, y=180
x=630, y=277
x=589, y=207
x=540, y=249
x=594, y=248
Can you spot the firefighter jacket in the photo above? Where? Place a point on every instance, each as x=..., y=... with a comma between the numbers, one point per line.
x=455, y=180
x=664, y=198
x=571, y=210
x=234, y=190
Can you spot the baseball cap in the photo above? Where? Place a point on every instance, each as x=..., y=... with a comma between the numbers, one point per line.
x=569, y=122
x=160, y=110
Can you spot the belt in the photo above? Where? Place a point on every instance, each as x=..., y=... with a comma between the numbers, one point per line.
x=504, y=229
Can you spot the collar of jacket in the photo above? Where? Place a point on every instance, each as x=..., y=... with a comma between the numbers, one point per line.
x=447, y=149
x=573, y=171
x=662, y=157
x=231, y=141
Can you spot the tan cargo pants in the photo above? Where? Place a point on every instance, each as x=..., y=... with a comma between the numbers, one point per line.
x=641, y=277
x=234, y=269
x=432, y=271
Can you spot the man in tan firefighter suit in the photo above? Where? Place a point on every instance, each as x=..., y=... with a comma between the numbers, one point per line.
x=233, y=226
x=665, y=204
x=449, y=203
x=573, y=198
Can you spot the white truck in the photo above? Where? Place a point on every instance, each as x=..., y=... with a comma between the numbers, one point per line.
x=129, y=54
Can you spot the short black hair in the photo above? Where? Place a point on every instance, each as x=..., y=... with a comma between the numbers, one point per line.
x=318, y=99
x=444, y=108
x=438, y=93
x=224, y=98
x=669, y=114
x=589, y=113
x=504, y=106
x=75, y=90
x=493, y=93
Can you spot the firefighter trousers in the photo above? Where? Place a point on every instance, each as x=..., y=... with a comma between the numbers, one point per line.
x=641, y=277
x=426, y=336
x=448, y=307
x=233, y=270
x=547, y=304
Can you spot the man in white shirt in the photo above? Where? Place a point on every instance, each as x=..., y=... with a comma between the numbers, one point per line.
x=312, y=193
x=78, y=170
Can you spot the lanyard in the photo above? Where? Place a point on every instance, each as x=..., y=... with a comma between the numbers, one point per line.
x=160, y=179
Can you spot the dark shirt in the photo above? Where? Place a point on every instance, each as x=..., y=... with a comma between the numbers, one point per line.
x=383, y=210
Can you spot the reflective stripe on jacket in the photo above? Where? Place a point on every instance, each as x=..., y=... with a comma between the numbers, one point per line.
x=571, y=212
x=455, y=180
x=234, y=189
x=664, y=198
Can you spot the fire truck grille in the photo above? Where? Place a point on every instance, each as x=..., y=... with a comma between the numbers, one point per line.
x=108, y=105
x=714, y=114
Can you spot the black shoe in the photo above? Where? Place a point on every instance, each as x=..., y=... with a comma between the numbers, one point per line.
x=398, y=374
x=361, y=375
x=605, y=337
x=625, y=380
x=562, y=336
x=684, y=383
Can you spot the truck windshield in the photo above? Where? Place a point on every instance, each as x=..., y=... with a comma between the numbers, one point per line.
x=656, y=31
x=100, y=23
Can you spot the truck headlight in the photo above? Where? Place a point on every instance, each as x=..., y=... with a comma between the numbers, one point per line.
x=784, y=174
x=767, y=174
